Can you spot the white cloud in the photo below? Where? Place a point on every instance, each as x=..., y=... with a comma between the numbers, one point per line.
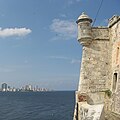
x=71, y=2
x=64, y=29
x=70, y=60
x=26, y=61
x=13, y=68
x=73, y=61
x=6, y=70
x=63, y=15
x=9, y=32
x=59, y=57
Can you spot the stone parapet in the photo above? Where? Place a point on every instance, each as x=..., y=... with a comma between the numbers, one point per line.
x=100, y=33
x=113, y=20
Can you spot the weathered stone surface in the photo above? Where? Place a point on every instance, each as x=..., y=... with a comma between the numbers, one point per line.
x=95, y=98
x=100, y=33
x=95, y=66
x=90, y=112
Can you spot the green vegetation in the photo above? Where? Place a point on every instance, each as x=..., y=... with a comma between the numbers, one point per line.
x=108, y=92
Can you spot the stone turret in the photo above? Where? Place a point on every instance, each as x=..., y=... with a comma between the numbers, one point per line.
x=84, y=29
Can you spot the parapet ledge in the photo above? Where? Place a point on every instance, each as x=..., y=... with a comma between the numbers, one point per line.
x=100, y=33
x=113, y=20
x=100, y=27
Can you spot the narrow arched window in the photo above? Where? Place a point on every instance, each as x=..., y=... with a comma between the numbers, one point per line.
x=114, y=82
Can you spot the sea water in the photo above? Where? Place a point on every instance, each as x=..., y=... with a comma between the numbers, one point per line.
x=37, y=105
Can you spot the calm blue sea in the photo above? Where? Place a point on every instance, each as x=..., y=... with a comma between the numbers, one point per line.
x=36, y=105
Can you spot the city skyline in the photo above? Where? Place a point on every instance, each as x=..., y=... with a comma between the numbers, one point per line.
x=38, y=40
x=26, y=88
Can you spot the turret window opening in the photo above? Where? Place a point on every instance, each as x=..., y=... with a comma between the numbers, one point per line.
x=115, y=77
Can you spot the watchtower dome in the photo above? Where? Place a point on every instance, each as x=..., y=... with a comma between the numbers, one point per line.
x=84, y=29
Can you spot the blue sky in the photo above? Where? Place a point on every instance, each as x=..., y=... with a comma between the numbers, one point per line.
x=38, y=40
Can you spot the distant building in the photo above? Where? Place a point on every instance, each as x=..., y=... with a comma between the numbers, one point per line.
x=28, y=88
x=9, y=88
x=4, y=87
x=14, y=89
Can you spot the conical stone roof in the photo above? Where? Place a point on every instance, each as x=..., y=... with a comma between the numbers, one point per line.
x=83, y=17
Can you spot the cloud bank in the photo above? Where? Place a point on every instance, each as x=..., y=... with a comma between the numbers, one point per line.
x=59, y=57
x=71, y=2
x=64, y=29
x=9, y=32
x=70, y=60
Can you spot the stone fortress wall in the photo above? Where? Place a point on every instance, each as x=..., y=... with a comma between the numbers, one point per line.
x=114, y=26
x=99, y=84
